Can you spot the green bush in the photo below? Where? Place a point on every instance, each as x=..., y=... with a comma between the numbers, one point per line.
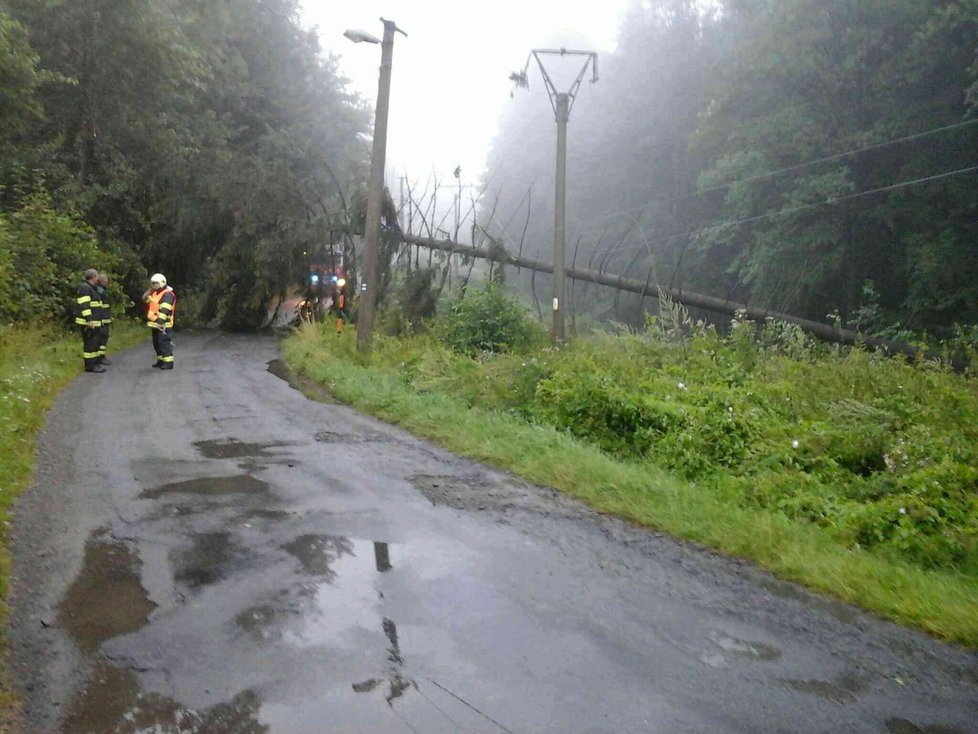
x=594, y=405
x=42, y=255
x=486, y=320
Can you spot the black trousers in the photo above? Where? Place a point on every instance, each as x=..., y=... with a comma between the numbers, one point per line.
x=91, y=339
x=163, y=344
x=103, y=334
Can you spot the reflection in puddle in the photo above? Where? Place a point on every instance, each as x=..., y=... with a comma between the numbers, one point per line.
x=397, y=684
x=382, y=557
x=902, y=726
x=317, y=553
x=206, y=561
x=106, y=599
x=114, y=703
x=344, y=598
x=756, y=650
x=207, y=486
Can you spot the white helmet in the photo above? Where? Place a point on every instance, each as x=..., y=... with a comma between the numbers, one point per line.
x=158, y=280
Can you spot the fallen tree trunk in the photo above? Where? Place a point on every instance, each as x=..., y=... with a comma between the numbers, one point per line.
x=825, y=332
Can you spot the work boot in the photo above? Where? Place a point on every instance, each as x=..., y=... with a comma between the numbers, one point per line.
x=96, y=368
x=157, y=365
x=168, y=366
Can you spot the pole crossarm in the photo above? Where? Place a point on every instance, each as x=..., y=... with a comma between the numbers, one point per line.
x=592, y=60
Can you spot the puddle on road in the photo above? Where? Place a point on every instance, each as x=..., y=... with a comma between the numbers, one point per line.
x=209, y=486
x=207, y=561
x=106, y=599
x=233, y=449
x=266, y=622
x=397, y=684
x=844, y=691
x=307, y=387
x=317, y=553
x=902, y=726
x=339, y=600
x=755, y=650
x=281, y=370
x=114, y=703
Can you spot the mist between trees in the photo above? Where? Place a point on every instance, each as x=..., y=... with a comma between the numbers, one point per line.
x=808, y=156
x=812, y=157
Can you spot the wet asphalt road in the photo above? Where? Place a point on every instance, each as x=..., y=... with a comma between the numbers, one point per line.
x=207, y=550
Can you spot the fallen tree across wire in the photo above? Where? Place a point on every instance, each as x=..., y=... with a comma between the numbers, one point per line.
x=824, y=332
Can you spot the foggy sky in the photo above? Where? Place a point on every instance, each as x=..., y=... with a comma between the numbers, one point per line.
x=450, y=75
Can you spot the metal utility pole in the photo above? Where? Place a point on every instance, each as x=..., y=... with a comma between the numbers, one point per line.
x=562, y=102
x=375, y=189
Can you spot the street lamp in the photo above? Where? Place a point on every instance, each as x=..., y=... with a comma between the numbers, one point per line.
x=375, y=188
x=561, y=103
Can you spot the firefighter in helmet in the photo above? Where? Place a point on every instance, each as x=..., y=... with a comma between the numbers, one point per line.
x=161, y=302
x=338, y=307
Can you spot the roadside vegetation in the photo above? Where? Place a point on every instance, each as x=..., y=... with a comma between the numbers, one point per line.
x=850, y=472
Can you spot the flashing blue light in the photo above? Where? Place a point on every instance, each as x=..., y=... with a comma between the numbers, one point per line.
x=314, y=279
x=335, y=278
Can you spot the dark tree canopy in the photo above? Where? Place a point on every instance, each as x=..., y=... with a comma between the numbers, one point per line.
x=214, y=140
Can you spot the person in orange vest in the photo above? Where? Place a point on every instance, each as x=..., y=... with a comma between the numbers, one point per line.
x=161, y=303
x=339, y=304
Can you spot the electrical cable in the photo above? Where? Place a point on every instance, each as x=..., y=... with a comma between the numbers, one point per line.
x=797, y=166
x=803, y=207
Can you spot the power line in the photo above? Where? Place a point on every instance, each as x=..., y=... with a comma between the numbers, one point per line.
x=797, y=166
x=803, y=207
x=788, y=169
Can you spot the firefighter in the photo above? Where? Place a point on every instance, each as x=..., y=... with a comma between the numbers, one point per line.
x=106, y=317
x=87, y=312
x=161, y=302
x=339, y=304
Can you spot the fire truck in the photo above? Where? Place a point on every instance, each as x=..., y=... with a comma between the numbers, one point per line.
x=325, y=276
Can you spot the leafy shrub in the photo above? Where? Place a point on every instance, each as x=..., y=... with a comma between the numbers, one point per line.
x=43, y=255
x=486, y=320
x=595, y=406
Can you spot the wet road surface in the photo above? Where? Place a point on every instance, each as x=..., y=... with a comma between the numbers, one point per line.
x=206, y=550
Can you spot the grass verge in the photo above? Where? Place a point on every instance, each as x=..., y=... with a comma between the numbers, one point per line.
x=943, y=603
x=36, y=363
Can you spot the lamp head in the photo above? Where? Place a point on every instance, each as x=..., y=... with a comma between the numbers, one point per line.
x=358, y=36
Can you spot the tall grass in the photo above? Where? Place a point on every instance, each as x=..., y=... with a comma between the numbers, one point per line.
x=482, y=408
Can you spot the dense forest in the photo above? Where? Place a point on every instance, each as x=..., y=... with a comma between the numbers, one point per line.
x=818, y=157
x=212, y=141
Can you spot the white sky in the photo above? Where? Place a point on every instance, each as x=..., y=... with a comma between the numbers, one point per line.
x=450, y=75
